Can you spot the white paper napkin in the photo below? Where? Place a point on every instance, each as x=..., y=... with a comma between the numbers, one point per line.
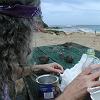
x=70, y=74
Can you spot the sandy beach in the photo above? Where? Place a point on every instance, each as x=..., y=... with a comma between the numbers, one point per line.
x=87, y=39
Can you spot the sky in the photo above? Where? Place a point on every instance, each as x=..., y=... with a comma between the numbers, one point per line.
x=71, y=12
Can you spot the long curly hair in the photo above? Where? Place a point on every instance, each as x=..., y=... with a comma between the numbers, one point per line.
x=15, y=38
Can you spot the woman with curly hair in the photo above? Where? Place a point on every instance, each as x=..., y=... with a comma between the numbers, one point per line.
x=16, y=27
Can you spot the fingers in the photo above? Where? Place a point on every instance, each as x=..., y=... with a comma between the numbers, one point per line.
x=95, y=66
x=94, y=75
x=87, y=71
x=53, y=67
x=95, y=71
x=56, y=70
x=58, y=67
x=94, y=84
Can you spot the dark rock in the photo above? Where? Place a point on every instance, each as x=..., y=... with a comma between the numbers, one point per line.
x=67, y=44
x=43, y=59
x=61, y=55
x=69, y=59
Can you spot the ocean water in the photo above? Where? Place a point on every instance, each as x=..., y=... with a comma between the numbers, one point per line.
x=89, y=28
x=79, y=28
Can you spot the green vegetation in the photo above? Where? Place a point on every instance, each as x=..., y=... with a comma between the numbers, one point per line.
x=53, y=31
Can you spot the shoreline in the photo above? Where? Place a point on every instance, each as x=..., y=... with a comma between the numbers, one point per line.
x=86, y=39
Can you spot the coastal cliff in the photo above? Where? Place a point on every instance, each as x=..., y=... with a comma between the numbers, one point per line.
x=39, y=23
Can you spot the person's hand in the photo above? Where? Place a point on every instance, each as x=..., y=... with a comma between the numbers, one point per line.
x=77, y=89
x=53, y=67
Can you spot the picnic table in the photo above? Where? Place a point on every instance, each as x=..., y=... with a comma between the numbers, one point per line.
x=54, y=53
